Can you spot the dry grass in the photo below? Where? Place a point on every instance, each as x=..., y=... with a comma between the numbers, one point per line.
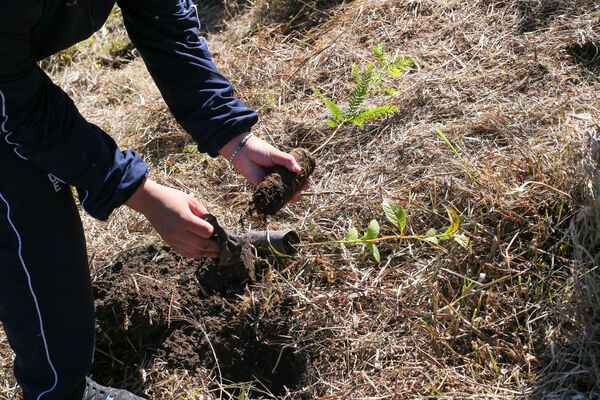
x=514, y=86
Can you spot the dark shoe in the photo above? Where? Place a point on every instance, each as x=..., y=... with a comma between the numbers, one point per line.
x=94, y=391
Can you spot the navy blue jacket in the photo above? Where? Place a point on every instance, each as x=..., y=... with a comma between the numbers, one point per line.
x=42, y=123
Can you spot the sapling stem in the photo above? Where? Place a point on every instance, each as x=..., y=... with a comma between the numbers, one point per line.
x=329, y=138
x=396, y=214
x=379, y=239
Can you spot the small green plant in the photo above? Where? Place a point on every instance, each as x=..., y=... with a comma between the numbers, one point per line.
x=396, y=214
x=367, y=82
x=462, y=160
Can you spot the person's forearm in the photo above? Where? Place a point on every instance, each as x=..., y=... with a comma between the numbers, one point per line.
x=177, y=217
x=199, y=96
x=143, y=197
x=227, y=150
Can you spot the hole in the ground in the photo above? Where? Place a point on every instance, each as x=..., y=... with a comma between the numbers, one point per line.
x=157, y=306
x=586, y=55
x=253, y=349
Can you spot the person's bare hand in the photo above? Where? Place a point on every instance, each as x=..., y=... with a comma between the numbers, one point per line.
x=256, y=156
x=176, y=216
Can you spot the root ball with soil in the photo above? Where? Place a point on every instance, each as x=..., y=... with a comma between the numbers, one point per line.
x=281, y=184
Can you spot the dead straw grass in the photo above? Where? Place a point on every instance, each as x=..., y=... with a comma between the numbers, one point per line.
x=513, y=84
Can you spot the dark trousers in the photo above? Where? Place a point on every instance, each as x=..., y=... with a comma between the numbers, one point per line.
x=46, y=301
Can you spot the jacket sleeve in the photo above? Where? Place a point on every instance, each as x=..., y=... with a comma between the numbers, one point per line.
x=201, y=99
x=42, y=125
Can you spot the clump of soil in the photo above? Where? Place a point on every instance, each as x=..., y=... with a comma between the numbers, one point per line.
x=279, y=186
x=158, y=306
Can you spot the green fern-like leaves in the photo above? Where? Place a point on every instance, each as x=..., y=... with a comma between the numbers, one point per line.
x=373, y=113
x=360, y=91
x=335, y=110
x=394, y=67
x=366, y=83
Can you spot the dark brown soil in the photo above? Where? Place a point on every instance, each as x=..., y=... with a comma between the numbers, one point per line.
x=280, y=185
x=156, y=306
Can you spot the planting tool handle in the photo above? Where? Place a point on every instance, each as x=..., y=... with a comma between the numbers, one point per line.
x=230, y=245
x=279, y=241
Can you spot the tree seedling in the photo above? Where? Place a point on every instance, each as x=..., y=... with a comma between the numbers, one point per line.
x=396, y=214
x=367, y=82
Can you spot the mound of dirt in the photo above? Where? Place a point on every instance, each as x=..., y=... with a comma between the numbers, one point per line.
x=190, y=314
